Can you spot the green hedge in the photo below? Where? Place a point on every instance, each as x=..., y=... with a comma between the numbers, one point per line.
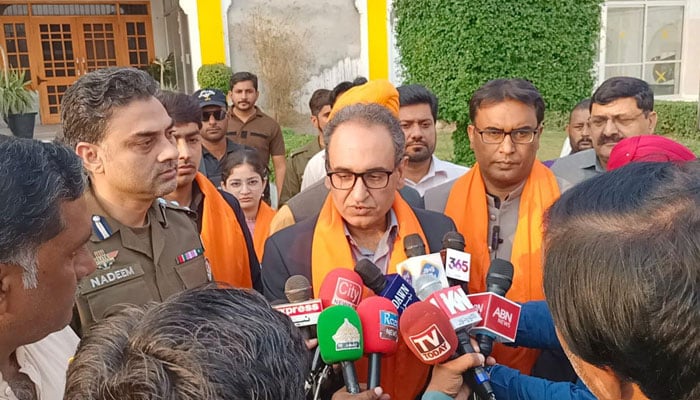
x=453, y=47
x=216, y=76
x=677, y=118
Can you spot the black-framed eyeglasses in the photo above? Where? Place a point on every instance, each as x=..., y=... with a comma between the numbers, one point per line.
x=497, y=136
x=219, y=115
x=344, y=180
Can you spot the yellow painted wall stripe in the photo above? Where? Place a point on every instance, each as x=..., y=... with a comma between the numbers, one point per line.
x=377, y=37
x=211, y=31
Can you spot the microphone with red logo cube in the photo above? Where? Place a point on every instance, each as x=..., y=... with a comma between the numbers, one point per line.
x=341, y=286
x=499, y=315
x=428, y=333
x=380, y=324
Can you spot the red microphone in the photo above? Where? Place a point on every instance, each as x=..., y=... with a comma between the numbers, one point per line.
x=380, y=325
x=341, y=287
x=428, y=333
x=499, y=315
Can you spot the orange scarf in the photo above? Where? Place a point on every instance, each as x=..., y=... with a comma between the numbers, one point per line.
x=222, y=236
x=467, y=206
x=330, y=248
x=403, y=375
x=262, y=228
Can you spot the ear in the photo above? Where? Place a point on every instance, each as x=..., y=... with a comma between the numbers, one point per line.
x=400, y=172
x=471, y=132
x=91, y=155
x=8, y=282
x=652, y=121
x=327, y=182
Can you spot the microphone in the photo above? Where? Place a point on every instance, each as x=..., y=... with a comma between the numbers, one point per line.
x=457, y=263
x=340, y=341
x=391, y=287
x=418, y=262
x=413, y=245
x=427, y=333
x=499, y=315
x=341, y=287
x=380, y=323
x=301, y=309
x=462, y=315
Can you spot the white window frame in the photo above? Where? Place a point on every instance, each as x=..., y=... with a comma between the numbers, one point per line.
x=600, y=65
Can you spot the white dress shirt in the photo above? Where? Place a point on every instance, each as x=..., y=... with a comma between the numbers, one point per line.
x=315, y=170
x=45, y=363
x=438, y=173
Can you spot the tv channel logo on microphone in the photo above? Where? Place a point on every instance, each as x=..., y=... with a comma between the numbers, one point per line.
x=431, y=343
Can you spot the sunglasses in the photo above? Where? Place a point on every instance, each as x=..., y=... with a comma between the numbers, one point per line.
x=219, y=115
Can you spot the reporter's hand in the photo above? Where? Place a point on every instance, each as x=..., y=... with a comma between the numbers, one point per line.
x=447, y=377
x=311, y=343
x=374, y=394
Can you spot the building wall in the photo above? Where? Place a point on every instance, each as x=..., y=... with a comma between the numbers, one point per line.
x=331, y=29
x=690, y=70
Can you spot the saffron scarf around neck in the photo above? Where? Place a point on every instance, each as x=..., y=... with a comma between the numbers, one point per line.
x=467, y=206
x=330, y=248
x=403, y=375
x=262, y=228
x=224, y=243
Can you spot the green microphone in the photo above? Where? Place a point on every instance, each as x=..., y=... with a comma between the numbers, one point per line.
x=340, y=341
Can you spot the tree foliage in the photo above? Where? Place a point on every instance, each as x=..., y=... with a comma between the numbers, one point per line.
x=455, y=46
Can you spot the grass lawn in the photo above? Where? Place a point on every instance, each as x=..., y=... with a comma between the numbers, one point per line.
x=550, y=143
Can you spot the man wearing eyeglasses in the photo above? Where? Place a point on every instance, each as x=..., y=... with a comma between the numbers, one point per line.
x=621, y=107
x=362, y=217
x=498, y=205
x=215, y=144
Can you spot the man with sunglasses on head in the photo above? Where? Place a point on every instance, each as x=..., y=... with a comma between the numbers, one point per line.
x=215, y=144
x=498, y=205
x=621, y=107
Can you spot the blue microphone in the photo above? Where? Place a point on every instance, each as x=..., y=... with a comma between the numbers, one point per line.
x=392, y=287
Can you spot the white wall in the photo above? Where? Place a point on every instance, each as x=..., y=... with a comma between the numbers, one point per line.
x=690, y=71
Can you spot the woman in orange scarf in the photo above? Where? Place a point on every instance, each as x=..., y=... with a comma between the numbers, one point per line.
x=244, y=175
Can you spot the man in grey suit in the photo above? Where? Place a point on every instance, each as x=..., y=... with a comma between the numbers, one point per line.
x=621, y=107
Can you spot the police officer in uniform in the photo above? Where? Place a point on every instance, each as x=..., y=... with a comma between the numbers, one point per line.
x=145, y=248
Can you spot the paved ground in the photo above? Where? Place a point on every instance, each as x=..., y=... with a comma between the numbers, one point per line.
x=41, y=132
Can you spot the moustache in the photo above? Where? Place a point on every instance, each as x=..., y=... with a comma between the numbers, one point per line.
x=586, y=140
x=603, y=139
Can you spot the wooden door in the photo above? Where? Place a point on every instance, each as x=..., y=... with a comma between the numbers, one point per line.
x=60, y=62
x=98, y=43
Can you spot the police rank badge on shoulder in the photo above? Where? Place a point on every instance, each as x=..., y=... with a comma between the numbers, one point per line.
x=104, y=260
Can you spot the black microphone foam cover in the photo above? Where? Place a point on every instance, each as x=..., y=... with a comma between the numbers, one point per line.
x=413, y=245
x=499, y=277
x=297, y=289
x=453, y=240
x=371, y=275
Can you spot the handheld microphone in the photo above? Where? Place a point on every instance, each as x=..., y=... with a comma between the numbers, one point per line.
x=341, y=287
x=413, y=245
x=301, y=309
x=500, y=316
x=457, y=263
x=418, y=262
x=391, y=287
x=427, y=333
x=462, y=315
x=380, y=324
x=340, y=341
